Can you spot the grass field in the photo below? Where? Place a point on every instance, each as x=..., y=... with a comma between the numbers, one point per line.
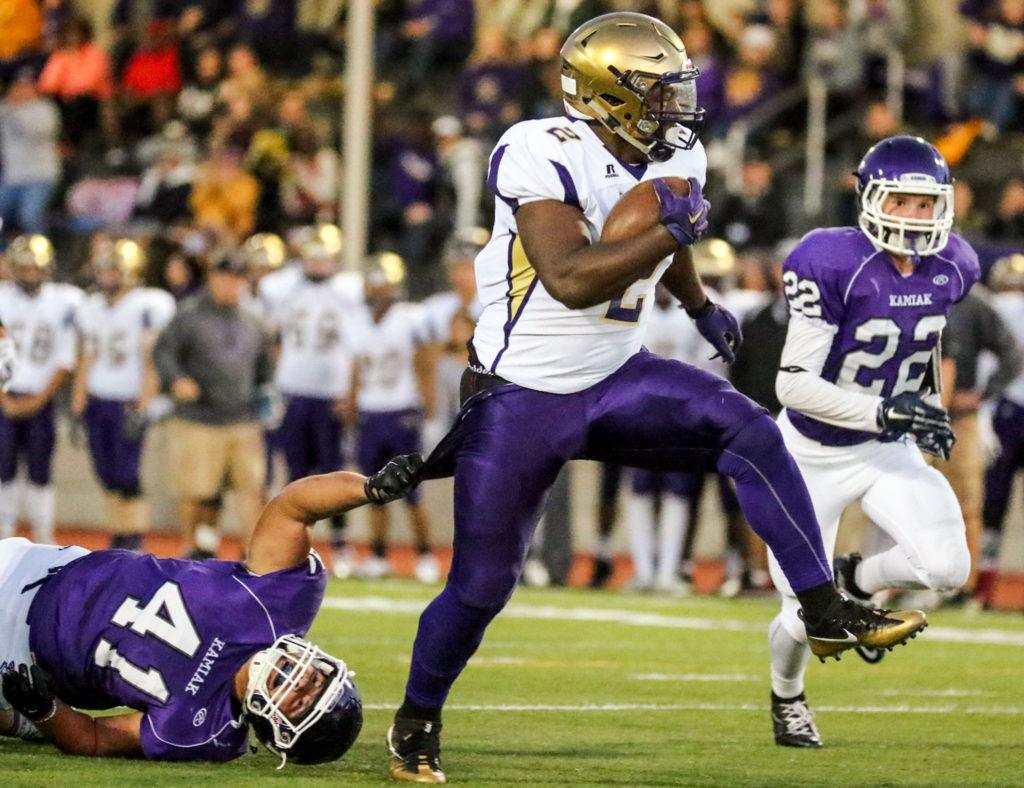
x=589, y=688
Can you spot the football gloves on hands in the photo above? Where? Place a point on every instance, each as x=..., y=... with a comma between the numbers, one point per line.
x=908, y=413
x=395, y=479
x=686, y=218
x=719, y=328
x=30, y=691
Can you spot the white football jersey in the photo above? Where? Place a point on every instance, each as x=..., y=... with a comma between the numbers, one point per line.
x=315, y=322
x=1010, y=307
x=440, y=308
x=118, y=334
x=524, y=334
x=386, y=354
x=672, y=334
x=43, y=329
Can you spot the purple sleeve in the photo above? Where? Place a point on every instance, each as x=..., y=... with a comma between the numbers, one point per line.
x=292, y=597
x=962, y=256
x=168, y=735
x=814, y=279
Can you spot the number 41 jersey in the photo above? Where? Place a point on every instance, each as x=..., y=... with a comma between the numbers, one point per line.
x=166, y=637
x=885, y=325
x=524, y=334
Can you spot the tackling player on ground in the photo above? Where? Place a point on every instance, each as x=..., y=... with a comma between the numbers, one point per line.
x=867, y=307
x=557, y=371
x=201, y=650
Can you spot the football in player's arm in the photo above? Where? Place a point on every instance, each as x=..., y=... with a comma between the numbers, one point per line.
x=299, y=701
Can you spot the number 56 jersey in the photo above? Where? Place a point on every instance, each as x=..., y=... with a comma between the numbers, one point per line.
x=166, y=637
x=885, y=325
x=524, y=334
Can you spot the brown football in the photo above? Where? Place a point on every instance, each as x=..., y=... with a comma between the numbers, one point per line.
x=638, y=209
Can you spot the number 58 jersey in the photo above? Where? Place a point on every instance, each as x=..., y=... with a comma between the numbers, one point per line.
x=166, y=637
x=884, y=325
x=524, y=334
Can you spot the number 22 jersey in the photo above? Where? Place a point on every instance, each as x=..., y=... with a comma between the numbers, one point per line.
x=525, y=335
x=166, y=637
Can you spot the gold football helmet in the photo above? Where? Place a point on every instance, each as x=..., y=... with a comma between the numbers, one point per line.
x=124, y=257
x=1007, y=273
x=630, y=72
x=31, y=251
x=264, y=252
x=714, y=258
x=385, y=269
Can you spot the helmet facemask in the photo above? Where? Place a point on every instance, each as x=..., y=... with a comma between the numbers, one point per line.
x=274, y=674
x=907, y=236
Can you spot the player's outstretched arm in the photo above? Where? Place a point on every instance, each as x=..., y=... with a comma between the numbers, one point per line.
x=281, y=538
x=574, y=271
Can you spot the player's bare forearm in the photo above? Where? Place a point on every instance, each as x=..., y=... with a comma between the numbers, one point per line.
x=79, y=391
x=683, y=281
x=425, y=362
x=75, y=733
x=574, y=271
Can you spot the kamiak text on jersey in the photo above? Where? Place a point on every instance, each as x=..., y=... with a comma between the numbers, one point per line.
x=910, y=299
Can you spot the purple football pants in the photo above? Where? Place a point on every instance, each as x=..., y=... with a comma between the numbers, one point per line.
x=509, y=444
x=115, y=457
x=32, y=438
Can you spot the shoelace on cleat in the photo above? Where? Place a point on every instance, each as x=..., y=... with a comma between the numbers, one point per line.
x=798, y=719
x=423, y=746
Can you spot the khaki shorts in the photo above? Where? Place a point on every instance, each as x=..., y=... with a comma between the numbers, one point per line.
x=965, y=470
x=208, y=458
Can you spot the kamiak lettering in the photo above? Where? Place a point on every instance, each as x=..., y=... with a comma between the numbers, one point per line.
x=911, y=299
x=205, y=666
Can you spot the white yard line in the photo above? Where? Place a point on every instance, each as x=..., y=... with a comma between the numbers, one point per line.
x=754, y=707
x=373, y=604
x=694, y=677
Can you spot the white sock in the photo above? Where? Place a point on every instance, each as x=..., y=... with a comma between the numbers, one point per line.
x=671, y=533
x=890, y=569
x=789, y=660
x=10, y=498
x=41, y=505
x=640, y=520
x=733, y=564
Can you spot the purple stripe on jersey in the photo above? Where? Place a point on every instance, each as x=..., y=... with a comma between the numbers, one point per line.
x=636, y=170
x=571, y=197
x=509, y=321
x=492, y=182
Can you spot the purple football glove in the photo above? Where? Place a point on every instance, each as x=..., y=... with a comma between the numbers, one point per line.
x=685, y=217
x=719, y=328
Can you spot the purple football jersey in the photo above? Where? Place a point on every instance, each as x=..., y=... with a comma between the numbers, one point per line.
x=166, y=637
x=886, y=324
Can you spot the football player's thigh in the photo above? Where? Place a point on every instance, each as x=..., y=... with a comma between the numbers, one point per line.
x=201, y=458
x=915, y=505
x=666, y=414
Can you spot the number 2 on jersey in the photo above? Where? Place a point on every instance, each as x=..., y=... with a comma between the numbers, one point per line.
x=174, y=627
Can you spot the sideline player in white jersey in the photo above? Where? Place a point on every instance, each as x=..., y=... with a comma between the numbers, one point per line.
x=39, y=317
x=115, y=382
x=314, y=320
x=859, y=380
x=393, y=389
x=558, y=372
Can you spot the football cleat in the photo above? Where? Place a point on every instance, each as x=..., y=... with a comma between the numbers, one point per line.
x=415, y=747
x=793, y=723
x=603, y=569
x=847, y=624
x=373, y=568
x=427, y=569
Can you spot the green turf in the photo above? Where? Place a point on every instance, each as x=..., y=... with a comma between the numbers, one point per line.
x=973, y=736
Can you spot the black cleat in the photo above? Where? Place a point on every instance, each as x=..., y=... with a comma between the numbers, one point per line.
x=415, y=747
x=844, y=569
x=847, y=624
x=793, y=723
x=603, y=569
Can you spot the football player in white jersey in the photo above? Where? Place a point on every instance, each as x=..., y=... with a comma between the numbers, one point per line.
x=40, y=319
x=115, y=382
x=859, y=380
x=314, y=367
x=557, y=371
x=393, y=388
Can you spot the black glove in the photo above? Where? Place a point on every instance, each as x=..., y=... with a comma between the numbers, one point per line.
x=938, y=443
x=395, y=479
x=908, y=412
x=30, y=691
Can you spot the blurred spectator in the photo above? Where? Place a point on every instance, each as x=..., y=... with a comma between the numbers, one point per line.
x=198, y=99
x=172, y=268
x=1008, y=222
x=969, y=221
x=152, y=77
x=997, y=54
x=438, y=32
x=879, y=123
x=129, y=20
x=756, y=216
x=787, y=24
x=750, y=81
x=309, y=193
x=235, y=125
x=881, y=27
x=29, y=125
x=834, y=49
x=22, y=29
x=462, y=162
x=699, y=42
x=224, y=196
x=56, y=13
x=492, y=86
x=245, y=77
x=764, y=334
x=78, y=74
x=167, y=183
x=268, y=26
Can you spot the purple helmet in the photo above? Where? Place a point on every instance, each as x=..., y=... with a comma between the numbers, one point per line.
x=905, y=165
